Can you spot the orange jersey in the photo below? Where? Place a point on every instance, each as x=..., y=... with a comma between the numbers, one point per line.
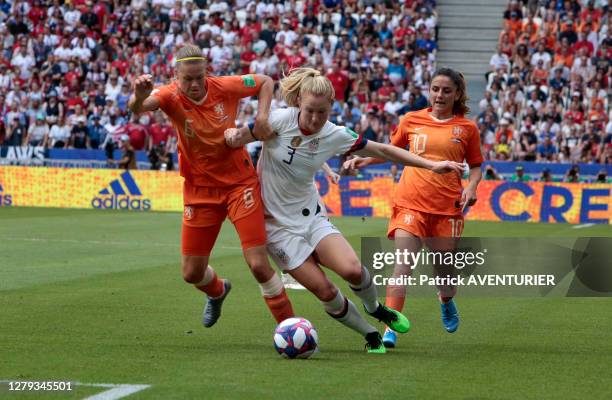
x=456, y=140
x=204, y=158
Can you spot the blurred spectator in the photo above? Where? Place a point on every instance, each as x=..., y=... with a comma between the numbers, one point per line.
x=519, y=175
x=79, y=138
x=395, y=173
x=490, y=174
x=545, y=176
x=15, y=133
x=547, y=151
x=558, y=86
x=59, y=135
x=38, y=133
x=137, y=133
x=160, y=158
x=573, y=175
x=128, y=156
x=96, y=132
x=602, y=176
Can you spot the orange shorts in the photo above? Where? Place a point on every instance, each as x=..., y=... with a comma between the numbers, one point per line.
x=206, y=208
x=425, y=225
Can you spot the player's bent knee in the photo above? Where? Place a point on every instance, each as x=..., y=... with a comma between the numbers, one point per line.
x=194, y=268
x=260, y=268
x=353, y=272
x=325, y=292
x=193, y=276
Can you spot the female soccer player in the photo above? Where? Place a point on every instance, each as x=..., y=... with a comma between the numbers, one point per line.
x=428, y=208
x=300, y=237
x=219, y=181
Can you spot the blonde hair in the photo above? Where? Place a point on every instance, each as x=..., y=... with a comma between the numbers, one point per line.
x=305, y=80
x=189, y=54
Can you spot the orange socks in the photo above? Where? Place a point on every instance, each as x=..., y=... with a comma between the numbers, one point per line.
x=280, y=306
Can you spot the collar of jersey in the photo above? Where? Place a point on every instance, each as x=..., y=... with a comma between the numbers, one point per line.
x=198, y=103
x=442, y=121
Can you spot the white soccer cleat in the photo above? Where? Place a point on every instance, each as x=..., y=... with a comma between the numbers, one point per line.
x=290, y=283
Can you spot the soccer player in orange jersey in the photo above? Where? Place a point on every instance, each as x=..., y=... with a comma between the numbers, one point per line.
x=219, y=181
x=428, y=208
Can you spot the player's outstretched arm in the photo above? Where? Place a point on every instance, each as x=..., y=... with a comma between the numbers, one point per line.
x=401, y=156
x=334, y=177
x=141, y=100
x=262, y=129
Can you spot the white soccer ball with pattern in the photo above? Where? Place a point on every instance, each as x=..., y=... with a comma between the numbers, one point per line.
x=296, y=338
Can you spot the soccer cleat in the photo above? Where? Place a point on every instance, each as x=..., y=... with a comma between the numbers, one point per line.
x=389, y=338
x=374, y=343
x=450, y=316
x=212, y=311
x=392, y=318
x=289, y=282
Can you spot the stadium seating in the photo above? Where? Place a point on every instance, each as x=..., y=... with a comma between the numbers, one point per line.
x=548, y=89
x=65, y=71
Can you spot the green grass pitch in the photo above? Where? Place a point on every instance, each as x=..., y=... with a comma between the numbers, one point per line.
x=97, y=297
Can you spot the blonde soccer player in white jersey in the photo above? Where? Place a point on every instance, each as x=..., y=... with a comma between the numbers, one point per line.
x=300, y=236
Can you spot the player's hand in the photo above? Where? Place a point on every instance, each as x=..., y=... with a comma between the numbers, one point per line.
x=468, y=198
x=334, y=178
x=143, y=86
x=355, y=163
x=232, y=137
x=262, y=130
x=443, y=167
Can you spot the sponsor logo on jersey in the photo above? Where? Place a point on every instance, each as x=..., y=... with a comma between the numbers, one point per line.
x=248, y=81
x=408, y=218
x=121, y=194
x=219, y=109
x=188, y=213
x=189, y=131
x=296, y=141
x=6, y=199
x=313, y=145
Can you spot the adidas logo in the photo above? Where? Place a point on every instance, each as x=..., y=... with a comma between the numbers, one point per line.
x=5, y=199
x=115, y=197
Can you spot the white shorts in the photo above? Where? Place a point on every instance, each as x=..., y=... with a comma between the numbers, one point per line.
x=289, y=246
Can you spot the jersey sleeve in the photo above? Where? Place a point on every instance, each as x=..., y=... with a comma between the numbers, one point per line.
x=473, y=155
x=398, y=137
x=280, y=120
x=164, y=95
x=240, y=86
x=348, y=141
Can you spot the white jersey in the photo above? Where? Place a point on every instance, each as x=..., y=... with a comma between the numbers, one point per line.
x=288, y=164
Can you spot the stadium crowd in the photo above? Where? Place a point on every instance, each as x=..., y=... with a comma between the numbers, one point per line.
x=65, y=67
x=548, y=89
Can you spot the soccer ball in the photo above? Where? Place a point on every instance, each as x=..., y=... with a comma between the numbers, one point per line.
x=295, y=338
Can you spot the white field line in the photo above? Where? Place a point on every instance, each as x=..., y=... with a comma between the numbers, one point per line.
x=99, y=242
x=115, y=392
x=582, y=226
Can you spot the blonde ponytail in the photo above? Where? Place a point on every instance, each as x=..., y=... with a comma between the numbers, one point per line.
x=305, y=80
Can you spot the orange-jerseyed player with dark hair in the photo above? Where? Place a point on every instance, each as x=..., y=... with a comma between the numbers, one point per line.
x=427, y=207
x=220, y=181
